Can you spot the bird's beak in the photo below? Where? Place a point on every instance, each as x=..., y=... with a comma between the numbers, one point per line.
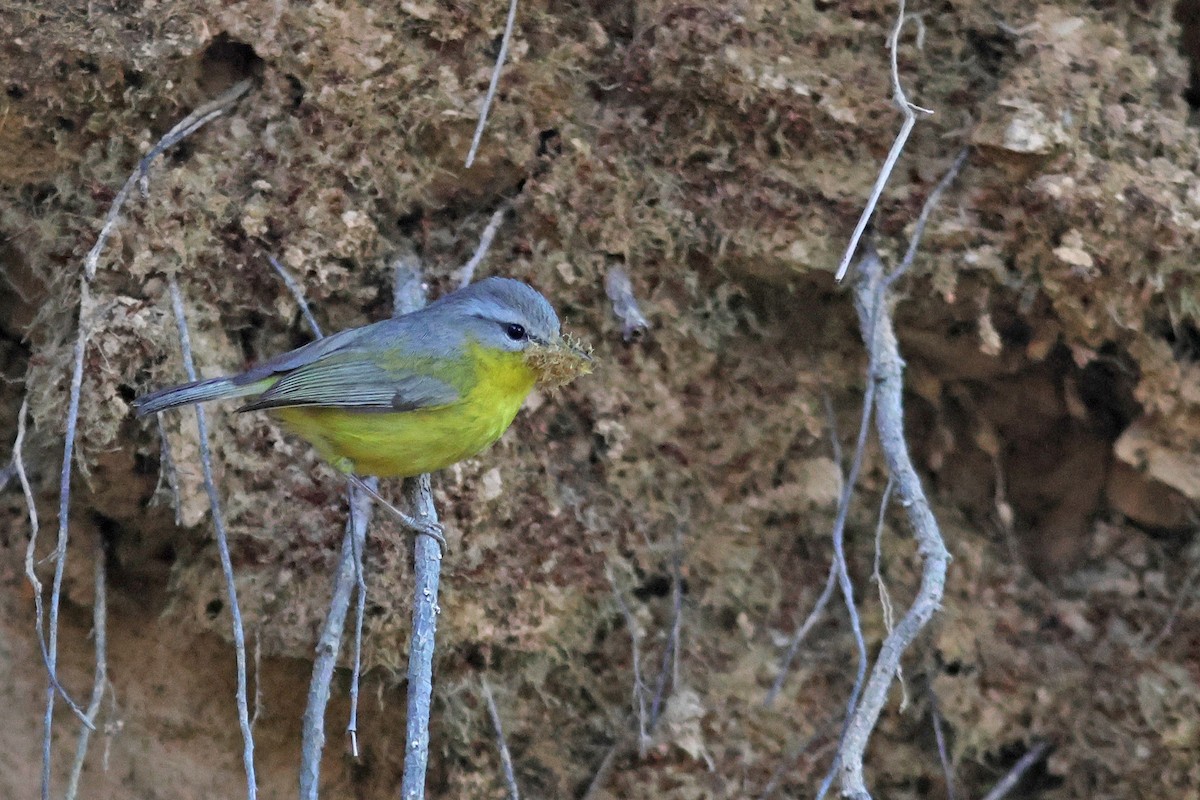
x=559, y=362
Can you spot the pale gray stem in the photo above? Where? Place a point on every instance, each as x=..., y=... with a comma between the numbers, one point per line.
x=505, y=40
x=506, y=762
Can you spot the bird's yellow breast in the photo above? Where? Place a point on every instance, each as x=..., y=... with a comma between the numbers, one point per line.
x=493, y=385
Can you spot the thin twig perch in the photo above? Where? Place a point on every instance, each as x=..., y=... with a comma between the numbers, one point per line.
x=505, y=40
x=818, y=608
x=467, y=273
x=885, y=376
x=1024, y=763
x=347, y=579
x=214, y=501
x=328, y=644
x=638, y=697
x=427, y=571
x=100, y=681
x=427, y=558
x=880, y=336
x=506, y=762
x=189, y=125
x=910, y=119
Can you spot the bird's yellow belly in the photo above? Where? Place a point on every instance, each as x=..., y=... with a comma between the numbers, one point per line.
x=401, y=444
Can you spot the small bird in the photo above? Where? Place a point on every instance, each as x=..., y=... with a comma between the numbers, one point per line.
x=411, y=394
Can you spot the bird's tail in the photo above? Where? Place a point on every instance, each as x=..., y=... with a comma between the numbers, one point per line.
x=196, y=392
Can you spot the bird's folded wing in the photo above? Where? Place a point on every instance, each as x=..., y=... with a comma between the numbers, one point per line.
x=348, y=380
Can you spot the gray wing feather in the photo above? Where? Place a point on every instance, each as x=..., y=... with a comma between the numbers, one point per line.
x=309, y=353
x=319, y=373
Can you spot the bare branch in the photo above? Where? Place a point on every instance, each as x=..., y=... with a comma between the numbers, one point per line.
x=940, y=736
x=506, y=763
x=18, y=464
x=360, y=607
x=214, y=501
x=1018, y=771
x=619, y=289
x=297, y=294
x=467, y=273
x=879, y=334
x=491, y=92
x=910, y=119
x=606, y=765
x=931, y=202
x=184, y=128
x=167, y=467
x=347, y=579
x=328, y=644
x=639, y=687
x=668, y=675
x=427, y=570
x=427, y=557
x=785, y=663
x=843, y=575
x=100, y=680
x=189, y=125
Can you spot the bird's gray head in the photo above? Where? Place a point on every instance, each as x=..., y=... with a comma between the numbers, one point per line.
x=504, y=313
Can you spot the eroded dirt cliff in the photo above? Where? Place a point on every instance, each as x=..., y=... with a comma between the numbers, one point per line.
x=720, y=153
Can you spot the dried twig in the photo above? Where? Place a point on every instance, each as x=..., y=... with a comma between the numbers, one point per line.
x=427, y=557
x=18, y=463
x=931, y=202
x=467, y=273
x=940, y=736
x=347, y=579
x=328, y=644
x=360, y=608
x=910, y=119
x=619, y=289
x=785, y=663
x=166, y=467
x=100, y=680
x=313, y=733
x=638, y=699
x=491, y=92
x=606, y=766
x=189, y=125
x=186, y=127
x=884, y=369
x=506, y=763
x=885, y=597
x=427, y=568
x=297, y=295
x=668, y=674
x=878, y=332
x=214, y=501
x=1018, y=771
x=843, y=575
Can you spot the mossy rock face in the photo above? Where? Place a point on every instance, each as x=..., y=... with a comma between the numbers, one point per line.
x=720, y=153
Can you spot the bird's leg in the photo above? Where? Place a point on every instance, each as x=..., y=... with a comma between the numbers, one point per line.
x=431, y=529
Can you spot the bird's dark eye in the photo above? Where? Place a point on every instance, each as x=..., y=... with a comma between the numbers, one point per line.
x=515, y=332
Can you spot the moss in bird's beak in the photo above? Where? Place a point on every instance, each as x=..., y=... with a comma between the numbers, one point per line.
x=559, y=362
